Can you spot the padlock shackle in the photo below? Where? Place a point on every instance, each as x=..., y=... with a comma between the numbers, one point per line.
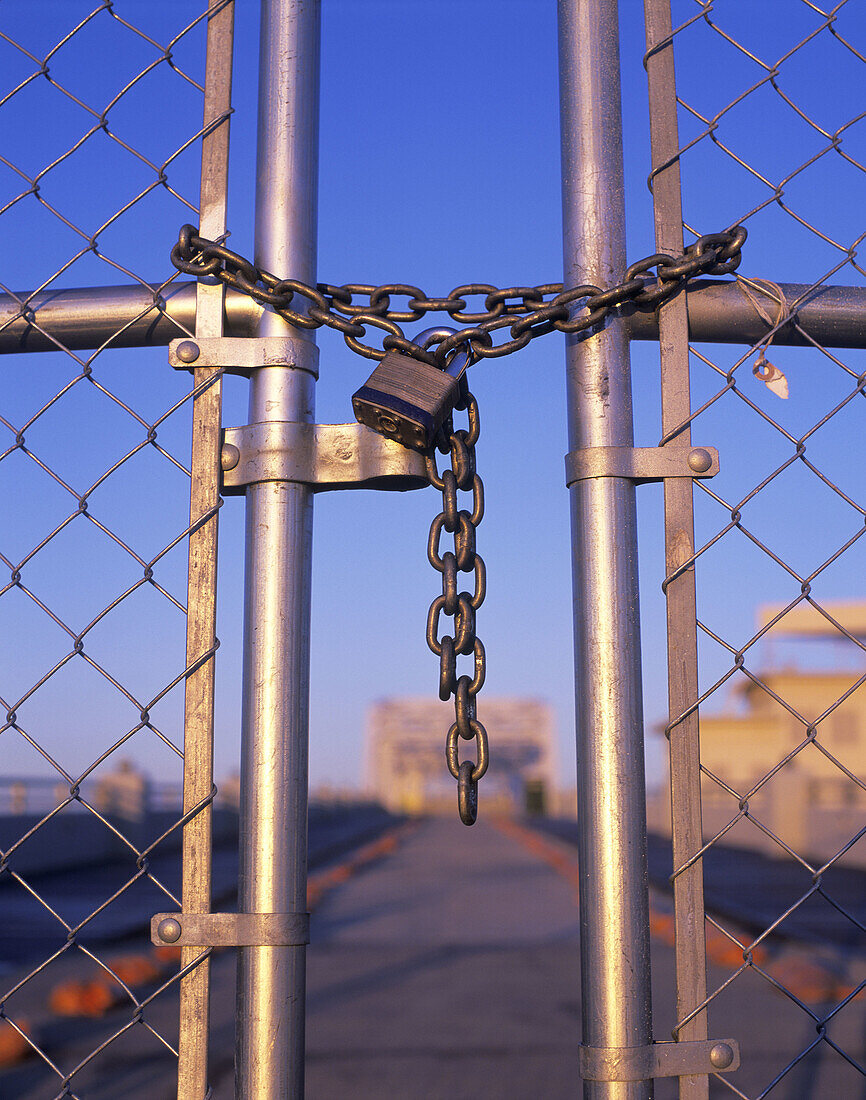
x=462, y=357
x=437, y=333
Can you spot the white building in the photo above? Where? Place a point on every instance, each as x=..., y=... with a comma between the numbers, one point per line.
x=405, y=765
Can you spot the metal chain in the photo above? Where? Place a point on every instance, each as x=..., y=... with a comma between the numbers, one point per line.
x=528, y=313
x=525, y=310
x=461, y=606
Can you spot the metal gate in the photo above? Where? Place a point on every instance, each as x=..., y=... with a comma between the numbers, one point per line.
x=724, y=437
x=756, y=529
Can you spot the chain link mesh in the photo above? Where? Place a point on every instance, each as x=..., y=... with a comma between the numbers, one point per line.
x=101, y=109
x=775, y=141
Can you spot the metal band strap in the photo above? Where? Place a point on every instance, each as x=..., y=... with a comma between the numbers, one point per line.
x=641, y=464
x=239, y=355
x=324, y=456
x=658, y=1060
x=231, y=929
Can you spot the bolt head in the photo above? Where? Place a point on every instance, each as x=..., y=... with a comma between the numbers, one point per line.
x=187, y=351
x=721, y=1056
x=700, y=460
x=230, y=456
x=169, y=930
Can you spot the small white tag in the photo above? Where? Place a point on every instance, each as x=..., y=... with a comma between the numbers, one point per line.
x=771, y=376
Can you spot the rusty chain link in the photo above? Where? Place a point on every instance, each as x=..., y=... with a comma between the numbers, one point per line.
x=528, y=313
x=461, y=606
x=525, y=310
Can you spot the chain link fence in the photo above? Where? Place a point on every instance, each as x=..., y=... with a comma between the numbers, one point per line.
x=775, y=140
x=100, y=164
x=101, y=113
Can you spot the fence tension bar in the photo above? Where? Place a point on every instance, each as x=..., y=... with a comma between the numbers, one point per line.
x=199, y=690
x=666, y=1059
x=680, y=585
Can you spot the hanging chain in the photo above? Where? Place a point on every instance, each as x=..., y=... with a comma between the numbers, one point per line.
x=525, y=310
x=461, y=606
x=528, y=313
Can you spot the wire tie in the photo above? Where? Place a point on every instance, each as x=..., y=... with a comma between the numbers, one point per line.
x=762, y=368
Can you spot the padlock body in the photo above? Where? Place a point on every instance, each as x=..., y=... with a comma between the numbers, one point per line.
x=406, y=400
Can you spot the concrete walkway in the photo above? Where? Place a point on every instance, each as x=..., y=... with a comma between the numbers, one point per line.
x=448, y=970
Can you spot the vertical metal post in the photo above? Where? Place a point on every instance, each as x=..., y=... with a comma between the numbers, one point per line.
x=614, y=913
x=685, y=764
x=201, y=589
x=273, y=868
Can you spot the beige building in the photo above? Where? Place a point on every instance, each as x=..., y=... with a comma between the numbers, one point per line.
x=405, y=765
x=810, y=803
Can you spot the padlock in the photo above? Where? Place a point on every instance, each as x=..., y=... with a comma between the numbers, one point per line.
x=408, y=400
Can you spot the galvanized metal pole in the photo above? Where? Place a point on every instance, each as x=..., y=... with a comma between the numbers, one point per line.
x=273, y=871
x=614, y=912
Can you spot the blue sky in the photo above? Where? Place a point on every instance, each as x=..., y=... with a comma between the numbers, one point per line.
x=439, y=166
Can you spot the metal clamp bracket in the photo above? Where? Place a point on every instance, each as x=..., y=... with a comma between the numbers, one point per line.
x=658, y=1060
x=230, y=929
x=324, y=456
x=239, y=355
x=641, y=464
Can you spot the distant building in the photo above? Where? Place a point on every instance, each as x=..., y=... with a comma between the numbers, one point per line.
x=810, y=803
x=743, y=748
x=124, y=791
x=405, y=765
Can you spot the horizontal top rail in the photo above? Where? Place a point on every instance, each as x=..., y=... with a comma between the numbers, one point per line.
x=720, y=313
x=124, y=316
x=150, y=316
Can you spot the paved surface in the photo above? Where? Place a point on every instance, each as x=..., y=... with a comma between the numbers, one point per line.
x=449, y=968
